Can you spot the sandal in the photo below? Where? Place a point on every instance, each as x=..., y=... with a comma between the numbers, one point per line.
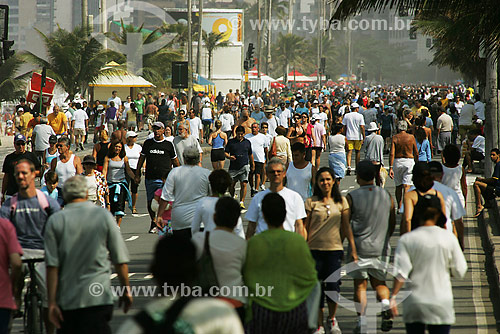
x=134, y=210
x=478, y=212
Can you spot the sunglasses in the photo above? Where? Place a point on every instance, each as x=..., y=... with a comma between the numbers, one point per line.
x=59, y=145
x=20, y=143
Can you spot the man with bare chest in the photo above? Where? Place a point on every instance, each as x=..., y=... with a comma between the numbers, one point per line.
x=245, y=121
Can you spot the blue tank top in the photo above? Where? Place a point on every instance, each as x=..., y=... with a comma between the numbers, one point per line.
x=217, y=142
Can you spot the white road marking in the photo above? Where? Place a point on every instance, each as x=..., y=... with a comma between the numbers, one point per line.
x=148, y=277
x=131, y=274
x=132, y=238
x=351, y=187
x=113, y=276
x=475, y=268
x=139, y=215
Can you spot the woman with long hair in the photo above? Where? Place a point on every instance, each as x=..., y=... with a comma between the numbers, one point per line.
x=309, y=139
x=327, y=224
x=115, y=168
x=296, y=133
x=423, y=145
x=218, y=140
x=131, y=117
x=337, y=159
x=101, y=149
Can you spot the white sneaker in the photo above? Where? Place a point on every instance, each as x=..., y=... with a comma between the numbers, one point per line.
x=333, y=325
x=262, y=187
x=320, y=330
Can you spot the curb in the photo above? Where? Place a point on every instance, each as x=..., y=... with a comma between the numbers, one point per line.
x=489, y=230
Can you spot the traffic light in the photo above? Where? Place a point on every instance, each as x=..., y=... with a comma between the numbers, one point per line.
x=7, y=52
x=250, y=51
x=413, y=33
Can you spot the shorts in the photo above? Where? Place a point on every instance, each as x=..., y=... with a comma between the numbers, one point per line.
x=354, y=145
x=139, y=117
x=375, y=267
x=327, y=262
x=259, y=168
x=403, y=171
x=131, y=183
x=131, y=124
x=463, y=129
x=476, y=156
x=152, y=186
x=217, y=154
x=40, y=271
x=309, y=154
x=93, y=319
x=79, y=132
x=240, y=174
x=386, y=133
x=318, y=151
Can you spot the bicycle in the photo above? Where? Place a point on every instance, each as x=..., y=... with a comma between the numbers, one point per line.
x=33, y=319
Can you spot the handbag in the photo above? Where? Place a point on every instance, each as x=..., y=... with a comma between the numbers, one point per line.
x=207, y=277
x=272, y=151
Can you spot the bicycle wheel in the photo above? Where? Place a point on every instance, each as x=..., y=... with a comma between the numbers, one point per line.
x=33, y=322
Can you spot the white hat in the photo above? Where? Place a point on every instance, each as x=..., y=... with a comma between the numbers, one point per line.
x=372, y=127
x=100, y=107
x=315, y=101
x=377, y=105
x=354, y=105
x=315, y=117
x=131, y=134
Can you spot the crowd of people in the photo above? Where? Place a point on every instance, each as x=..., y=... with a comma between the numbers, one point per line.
x=296, y=222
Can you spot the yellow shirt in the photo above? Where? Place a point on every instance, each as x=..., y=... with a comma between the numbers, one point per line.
x=58, y=123
x=23, y=122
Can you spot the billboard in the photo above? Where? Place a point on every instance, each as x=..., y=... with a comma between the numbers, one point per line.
x=227, y=21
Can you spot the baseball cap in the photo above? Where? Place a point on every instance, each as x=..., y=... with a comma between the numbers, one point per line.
x=19, y=137
x=315, y=102
x=159, y=125
x=132, y=133
x=88, y=160
x=354, y=105
x=52, y=139
x=302, y=101
x=20, y=109
x=100, y=107
x=315, y=117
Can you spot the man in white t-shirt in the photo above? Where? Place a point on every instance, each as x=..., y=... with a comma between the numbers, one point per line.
x=115, y=99
x=354, y=130
x=260, y=146
x=477, y=151
x=196, y=126
x=479, y=106
x=283, y=115
x=227, y=120
x=80, y=126
x=295, y=210
x=40, y=137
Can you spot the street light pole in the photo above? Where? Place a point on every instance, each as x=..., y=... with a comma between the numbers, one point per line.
x=200, y=35
x=190, y=51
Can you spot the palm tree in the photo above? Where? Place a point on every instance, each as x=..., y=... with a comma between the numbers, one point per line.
x=74, y=59
x=289, y=49
x=213, y=41
x=156, y=66
x=11, y=87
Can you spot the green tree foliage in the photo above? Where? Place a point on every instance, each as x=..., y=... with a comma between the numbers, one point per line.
x=213, y=41
x=74, y=59
x=11, y=87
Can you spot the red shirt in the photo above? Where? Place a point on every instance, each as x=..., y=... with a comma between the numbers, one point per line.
x=8, y=245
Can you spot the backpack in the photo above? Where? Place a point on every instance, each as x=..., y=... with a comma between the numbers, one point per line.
x=42, y=201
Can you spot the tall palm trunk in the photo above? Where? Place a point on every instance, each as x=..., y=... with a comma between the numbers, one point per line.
x=491, y=98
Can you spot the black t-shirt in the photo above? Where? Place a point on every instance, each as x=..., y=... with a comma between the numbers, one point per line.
x=8, y=168
x=159, y=157
x=241, y=150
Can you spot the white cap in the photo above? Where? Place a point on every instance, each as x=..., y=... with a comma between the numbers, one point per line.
x=131, y=134
x=377, y=105
x=354, y=105
x=315, y=101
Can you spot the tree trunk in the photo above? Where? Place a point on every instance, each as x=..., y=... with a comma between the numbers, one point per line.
x=200, y=35
x=210, y=65
x=85, y=23
x=269, y=16
x=491, y=98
